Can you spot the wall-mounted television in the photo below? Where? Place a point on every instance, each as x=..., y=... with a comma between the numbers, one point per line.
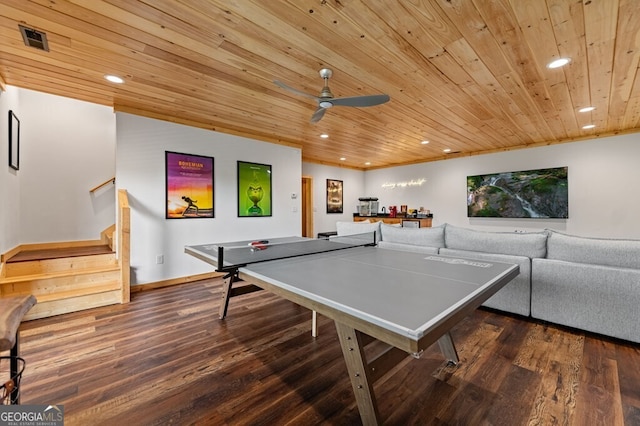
x=541, y=193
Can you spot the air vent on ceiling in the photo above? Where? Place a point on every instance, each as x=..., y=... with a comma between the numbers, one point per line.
x=34, y=38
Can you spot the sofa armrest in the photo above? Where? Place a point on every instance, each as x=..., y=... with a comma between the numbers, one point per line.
x=601, y=299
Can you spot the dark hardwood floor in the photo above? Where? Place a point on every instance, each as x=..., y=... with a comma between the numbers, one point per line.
x=165, y=358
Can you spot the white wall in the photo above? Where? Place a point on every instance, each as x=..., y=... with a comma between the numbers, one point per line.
x=67, y=147
x=352, y=189
x=9, y=178
x=140, y=168
x=603, y=175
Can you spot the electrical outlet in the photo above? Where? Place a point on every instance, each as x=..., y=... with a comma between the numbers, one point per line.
x=160, y=259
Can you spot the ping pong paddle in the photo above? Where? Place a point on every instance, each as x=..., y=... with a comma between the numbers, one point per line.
x=259, y=245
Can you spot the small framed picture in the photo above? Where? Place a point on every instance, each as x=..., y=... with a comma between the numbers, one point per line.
x=14, y=141
x=334, y=196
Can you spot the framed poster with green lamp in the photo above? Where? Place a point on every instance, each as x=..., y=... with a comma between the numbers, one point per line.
x=254, y=189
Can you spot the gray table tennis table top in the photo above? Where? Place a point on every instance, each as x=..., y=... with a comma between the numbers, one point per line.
x=406, y=293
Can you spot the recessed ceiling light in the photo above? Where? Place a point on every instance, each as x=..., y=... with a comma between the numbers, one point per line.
x=342, y=158
x=114, y=79
x=447, y=150
x=368, y=163
x=424, y=142
x=587, y=109
x=589, y=126
x=558, y=63
x=324, y=136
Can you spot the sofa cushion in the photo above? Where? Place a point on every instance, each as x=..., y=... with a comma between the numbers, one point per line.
x=596, y=251
x=529, y=244
x=515, y=297
x=354, y=228
x=408, y=247
x=431, y=237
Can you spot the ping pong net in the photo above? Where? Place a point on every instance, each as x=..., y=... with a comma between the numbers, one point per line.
x=232, y=256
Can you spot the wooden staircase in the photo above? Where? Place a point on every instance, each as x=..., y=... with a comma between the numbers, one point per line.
x=70, y=276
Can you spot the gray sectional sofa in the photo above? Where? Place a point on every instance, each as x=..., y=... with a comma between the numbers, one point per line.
x=591, y=284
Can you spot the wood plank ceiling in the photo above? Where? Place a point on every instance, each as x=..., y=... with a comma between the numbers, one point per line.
x=466, y=75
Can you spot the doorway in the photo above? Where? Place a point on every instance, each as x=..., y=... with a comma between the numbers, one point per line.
x=307, y=206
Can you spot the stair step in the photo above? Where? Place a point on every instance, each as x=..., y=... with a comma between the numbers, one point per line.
x=84, y=291
x=66, y=264
x=59, y=274
x=60, y=303
x=61, y=252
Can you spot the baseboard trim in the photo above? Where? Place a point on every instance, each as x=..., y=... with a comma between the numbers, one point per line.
x=174, y=281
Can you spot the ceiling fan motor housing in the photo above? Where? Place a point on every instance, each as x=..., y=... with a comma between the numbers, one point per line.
x=326, y=73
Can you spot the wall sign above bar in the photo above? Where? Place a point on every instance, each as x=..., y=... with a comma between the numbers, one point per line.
x=412, y=182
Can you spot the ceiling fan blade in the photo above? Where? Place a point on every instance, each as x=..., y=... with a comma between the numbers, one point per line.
x=296, y=91
x=326, y=100
x=360, y=101
x=318, y=115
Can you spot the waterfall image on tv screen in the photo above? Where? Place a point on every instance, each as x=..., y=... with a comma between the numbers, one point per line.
x=539, y=193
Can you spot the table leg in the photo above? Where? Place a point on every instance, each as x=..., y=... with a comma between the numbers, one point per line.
x=229, y=291
x=448, y=349
x=361, y=381
x=314, y=324
x=226, y=294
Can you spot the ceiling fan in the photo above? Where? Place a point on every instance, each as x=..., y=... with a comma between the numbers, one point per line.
x=326, y=100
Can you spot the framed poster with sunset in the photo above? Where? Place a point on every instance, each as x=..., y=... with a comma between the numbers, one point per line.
x=189, y=186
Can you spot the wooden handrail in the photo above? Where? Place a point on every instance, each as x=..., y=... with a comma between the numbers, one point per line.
x=106, y=182
x=124, y=248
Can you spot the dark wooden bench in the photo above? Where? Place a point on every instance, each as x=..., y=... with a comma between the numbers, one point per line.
x=12, y=310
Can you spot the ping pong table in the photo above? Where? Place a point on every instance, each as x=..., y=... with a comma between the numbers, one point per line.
x=406, y=300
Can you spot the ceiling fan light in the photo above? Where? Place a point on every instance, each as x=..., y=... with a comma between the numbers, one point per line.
x=325, y=104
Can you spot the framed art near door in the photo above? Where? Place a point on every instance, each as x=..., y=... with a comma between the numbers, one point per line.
x=334, y=196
